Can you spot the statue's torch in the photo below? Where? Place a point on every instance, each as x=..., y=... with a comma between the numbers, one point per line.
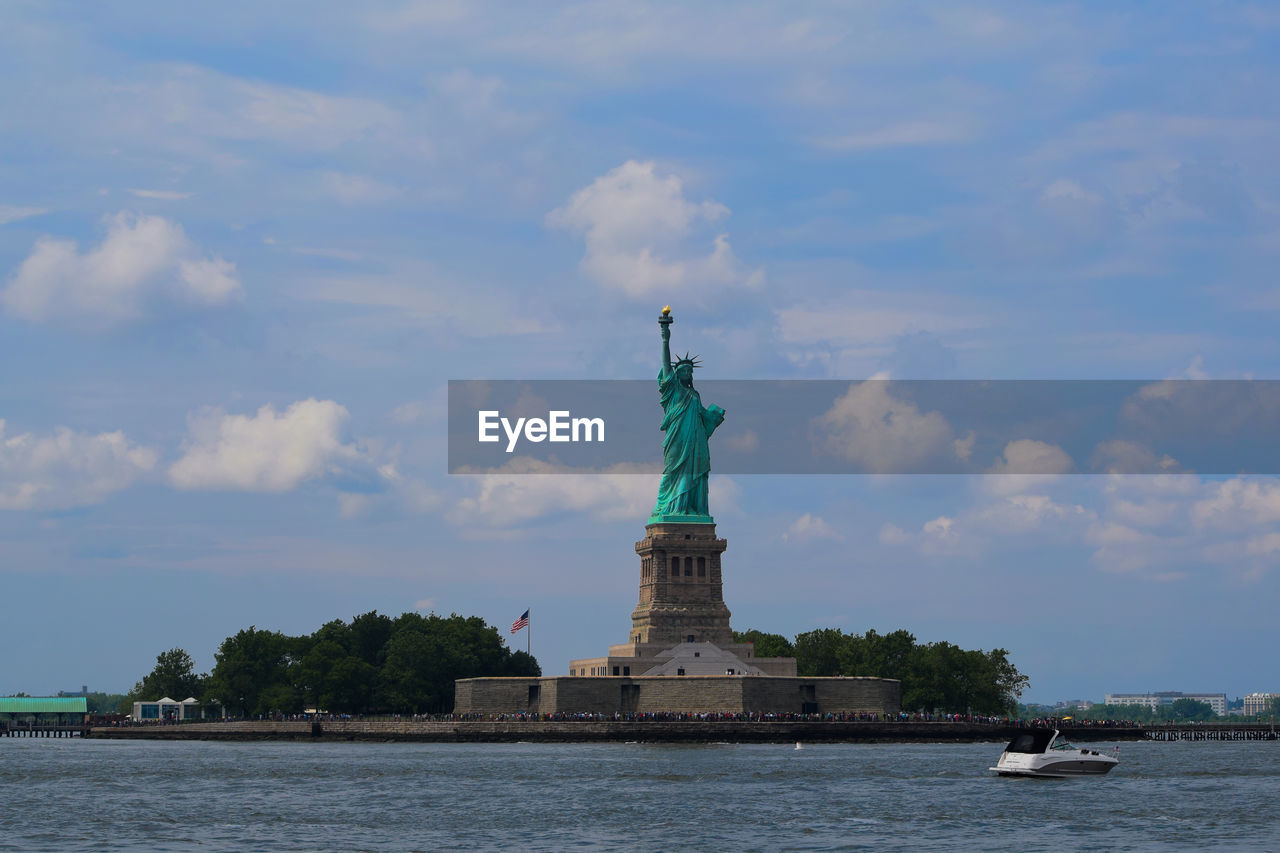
x=665, y=319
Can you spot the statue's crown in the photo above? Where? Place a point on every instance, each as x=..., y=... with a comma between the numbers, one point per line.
x=692, y=362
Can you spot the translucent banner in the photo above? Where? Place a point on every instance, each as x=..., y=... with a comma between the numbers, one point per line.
x=873, y=426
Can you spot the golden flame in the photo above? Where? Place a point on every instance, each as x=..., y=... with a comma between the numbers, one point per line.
x=666, y=310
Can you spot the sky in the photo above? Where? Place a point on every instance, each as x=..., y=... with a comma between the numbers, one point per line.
x=243, y=249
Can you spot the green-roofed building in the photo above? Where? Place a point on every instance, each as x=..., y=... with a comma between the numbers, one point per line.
x=43, y=710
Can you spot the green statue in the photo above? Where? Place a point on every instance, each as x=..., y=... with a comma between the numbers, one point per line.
x=682, y=495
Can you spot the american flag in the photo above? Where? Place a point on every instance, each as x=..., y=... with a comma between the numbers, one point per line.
x=522, y=622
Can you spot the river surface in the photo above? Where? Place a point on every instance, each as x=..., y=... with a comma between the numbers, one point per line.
x=73, y=795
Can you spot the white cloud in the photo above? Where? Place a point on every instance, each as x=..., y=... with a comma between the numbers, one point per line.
x=639, y=230
x=1000, y=521
x=855, y=332
x=1026, y=463
x=942, y=527
x=387, y=493
x=844, y=324
x=1263, y=546
x=1024, y=513
x=1123, y=549
x=419, y=296
x=267, y=452
x=747, y=441
x=1148, y=513
x=353, y=505
x=141, y=259
x=357, y=189
x=8, y=213
x=526, y=489
x=210, y=280
x=204, y=105
x=1164, y=527
x=892, y=534
x=475, y=100
x=883, y=434
x=1238, y=503
x=162, y=195
x=907, y=133
x=416, y=497
x=422, y=412
x=807, y=528
x=1065, y=189
x=67, y=468
x=1155, y=524
x=1129, y=457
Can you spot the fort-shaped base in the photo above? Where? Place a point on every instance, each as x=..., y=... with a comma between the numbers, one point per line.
x=680, y=626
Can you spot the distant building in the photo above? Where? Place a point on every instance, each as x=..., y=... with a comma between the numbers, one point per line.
x=171, y=710
x=67, y=694
x=1073, y=705
x=1216, y=701
x=1259, y=703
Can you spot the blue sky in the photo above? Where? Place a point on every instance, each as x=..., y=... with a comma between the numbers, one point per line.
x=242, y=251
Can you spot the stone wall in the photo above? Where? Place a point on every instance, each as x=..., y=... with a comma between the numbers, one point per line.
x=657, y=694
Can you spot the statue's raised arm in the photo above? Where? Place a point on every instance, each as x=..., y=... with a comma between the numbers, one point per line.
x=664, y=323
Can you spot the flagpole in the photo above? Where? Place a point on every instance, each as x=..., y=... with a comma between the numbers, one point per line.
x=529, y=635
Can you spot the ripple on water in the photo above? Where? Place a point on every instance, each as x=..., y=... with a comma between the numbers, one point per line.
x=106, y=795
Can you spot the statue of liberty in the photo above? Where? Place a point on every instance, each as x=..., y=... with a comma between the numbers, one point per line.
x=682, y=495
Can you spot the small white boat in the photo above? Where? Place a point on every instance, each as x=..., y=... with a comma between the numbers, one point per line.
x=1038, y=752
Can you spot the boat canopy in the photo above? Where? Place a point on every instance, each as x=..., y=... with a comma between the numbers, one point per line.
x=1033, y=742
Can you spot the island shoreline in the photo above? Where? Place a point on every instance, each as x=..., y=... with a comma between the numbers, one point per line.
x=590, y=731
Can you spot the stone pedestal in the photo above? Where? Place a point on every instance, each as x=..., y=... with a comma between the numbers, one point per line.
x=681, y=594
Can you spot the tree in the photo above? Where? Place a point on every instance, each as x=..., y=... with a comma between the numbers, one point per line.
x=935, y=676
x=1009, y=681
x=1275, y=706
x=249, y=670
x=375, y=663
x=98, y=702
x=1132, y=713
x=369, y=633
x=818, y=652
x=1190, y=709
x=412, y=675
x=766, y=645
x=523, y=665
x=888, y=655
x=427, y=654
x=174, y=676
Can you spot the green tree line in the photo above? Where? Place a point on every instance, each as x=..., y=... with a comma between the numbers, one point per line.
x=1177, y=711
x=372, y=664
x=936, y=677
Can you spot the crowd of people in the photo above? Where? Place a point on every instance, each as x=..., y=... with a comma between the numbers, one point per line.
x=674, y=717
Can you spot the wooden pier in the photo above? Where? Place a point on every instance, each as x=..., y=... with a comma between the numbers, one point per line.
x=1211, y=732
x=17, y=729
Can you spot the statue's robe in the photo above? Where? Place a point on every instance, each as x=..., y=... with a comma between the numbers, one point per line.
x=686, y=457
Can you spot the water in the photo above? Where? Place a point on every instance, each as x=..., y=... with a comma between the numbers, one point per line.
x=73, y=795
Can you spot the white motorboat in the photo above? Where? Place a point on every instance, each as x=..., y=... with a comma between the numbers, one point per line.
x=1039, y=752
